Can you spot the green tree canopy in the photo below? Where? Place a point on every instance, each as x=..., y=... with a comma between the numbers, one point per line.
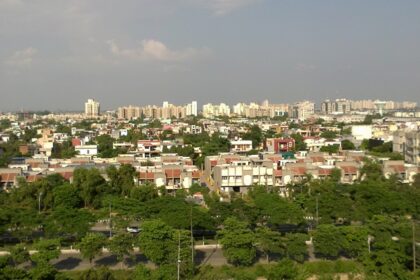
x=91, y=245
x=238, y=242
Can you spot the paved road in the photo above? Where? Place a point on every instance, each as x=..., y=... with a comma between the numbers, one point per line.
x=73, y=261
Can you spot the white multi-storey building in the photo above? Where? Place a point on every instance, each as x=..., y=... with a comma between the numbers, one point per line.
x=210, y=110
x=92, y=108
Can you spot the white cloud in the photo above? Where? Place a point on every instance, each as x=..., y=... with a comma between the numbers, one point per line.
x=22, y=58
x=155, y=50
x=223, y=7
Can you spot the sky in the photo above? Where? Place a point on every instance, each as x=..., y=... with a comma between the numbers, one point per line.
x=55, y=54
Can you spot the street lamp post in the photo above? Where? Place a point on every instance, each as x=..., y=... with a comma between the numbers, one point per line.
x=39, y=203
x=192, y=239
x=317, y=211
x=110, y=223
x=179, y=256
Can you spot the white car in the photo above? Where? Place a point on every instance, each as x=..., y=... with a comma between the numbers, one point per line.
x=133, y=229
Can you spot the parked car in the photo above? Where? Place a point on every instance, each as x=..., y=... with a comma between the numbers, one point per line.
x=133, y=229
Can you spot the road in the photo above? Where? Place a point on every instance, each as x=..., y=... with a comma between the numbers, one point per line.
x=73, y=261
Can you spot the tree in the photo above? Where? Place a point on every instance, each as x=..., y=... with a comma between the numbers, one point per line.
x=335, y=176
x=90, y=184
x=91, y=245
x=371, y=170
x=300, y=145
x=141, y=272
x=347, y=145
x=329, y=135
x=355, y=240
x=295, y=245
x=255, y=135
x=285, y=270
x=268, y=241
x=238, y=242
x=331, y=149
x=13, y=273
x=44, y=271
x=48, y=249
x=144, y=193
x=63, y=150
x=156, y=241
x=122, y=179
x=328, y=241
x=66, y=196
x=68, y=222
x=105, y=146
x=121, y=245
x=100, y=273
x=19, y=254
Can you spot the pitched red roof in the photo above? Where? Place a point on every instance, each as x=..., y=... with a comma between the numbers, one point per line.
x=8, y=177
x=348, y=169
x=324, y=171
x=33, y=178
x=398, y=168
x=317, y=158
x=298, y=170
x=173, y=173
x=147, y=175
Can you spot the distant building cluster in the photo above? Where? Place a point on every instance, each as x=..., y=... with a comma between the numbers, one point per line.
x=166, y=111
x=299, y=111
x=254, y=148
x=254, y=110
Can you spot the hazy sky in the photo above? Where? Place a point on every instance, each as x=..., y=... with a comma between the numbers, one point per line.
x=54, y=54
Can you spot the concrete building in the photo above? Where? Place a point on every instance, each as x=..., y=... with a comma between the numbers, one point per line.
x=211, y=111
x=404, y=172
x=302, y=110
x=412, y=147
x=338, y=106
x=279, y=145
x=192, y=109
x=129, y=113
x=240, y=146
x=149, y=148
x=87, y=150
x=361, y=132
x=408, y=144
x=92, y=108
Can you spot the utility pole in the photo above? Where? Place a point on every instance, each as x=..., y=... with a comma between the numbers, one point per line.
x=179, y=255
x=368, y=242
x=317, y=212
x=110, y=223
x=39, y=203
x=414, y=246
x=192, y=239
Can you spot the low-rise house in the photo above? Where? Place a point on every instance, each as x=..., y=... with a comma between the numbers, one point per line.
x=240, y=146
x=279, y=145
x=9, y=177
x=149, y=148
x=350, y=171
x=87, y=150
x=404, y=172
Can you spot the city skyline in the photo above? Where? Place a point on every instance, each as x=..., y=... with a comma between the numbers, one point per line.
x=143, y=52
